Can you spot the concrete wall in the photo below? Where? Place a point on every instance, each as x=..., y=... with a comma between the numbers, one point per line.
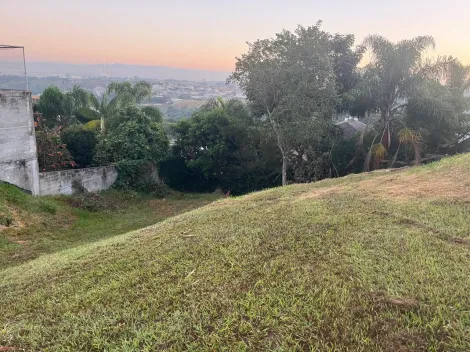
x=18, y=156
x=70, y=181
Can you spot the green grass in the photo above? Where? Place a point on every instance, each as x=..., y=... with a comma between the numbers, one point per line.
x=373, y=262
x=41, y=225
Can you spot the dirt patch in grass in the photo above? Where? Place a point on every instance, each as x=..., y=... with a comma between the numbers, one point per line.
x=321, y=192
x=381, y=299
x=391, y=339
x=389, y=331
x=402, y=187
x=460, y=241
x=403, y=342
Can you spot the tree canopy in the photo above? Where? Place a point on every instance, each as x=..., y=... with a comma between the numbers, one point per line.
x=290, y=80
x=298, y=86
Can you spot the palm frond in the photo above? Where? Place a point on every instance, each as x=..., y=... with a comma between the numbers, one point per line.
x=413, y=139
x=104, y=104
x=93, y=125
x=423, y=42
x=437, y=69
x=94, y=102
x=378, y=45
x=379, y=152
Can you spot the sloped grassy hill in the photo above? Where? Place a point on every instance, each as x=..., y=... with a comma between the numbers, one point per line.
x=372, y=262
x=34, y=226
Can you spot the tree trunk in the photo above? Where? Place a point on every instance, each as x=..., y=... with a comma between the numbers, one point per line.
x=281, y=147
x=284, y=170
x=385, y=140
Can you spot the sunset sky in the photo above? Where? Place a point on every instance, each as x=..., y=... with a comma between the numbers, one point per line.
x=209, y=34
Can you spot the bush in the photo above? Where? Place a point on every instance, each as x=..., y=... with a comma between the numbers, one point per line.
x=81, y=143
x=47, y=207
x=140, y=176
x=159, y=190
x=178, y=176
x=135, y=145
x=132, y=136
x=6, y=220
x=53, y=154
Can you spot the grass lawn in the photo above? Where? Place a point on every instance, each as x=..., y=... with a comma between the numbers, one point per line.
x=48, y=224
x=371, y=262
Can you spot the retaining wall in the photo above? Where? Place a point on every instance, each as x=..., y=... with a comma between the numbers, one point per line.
x=71, y=181
x=18, y=156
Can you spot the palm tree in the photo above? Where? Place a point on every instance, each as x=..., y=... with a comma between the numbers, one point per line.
x=125, y=90
x=393, y=74
x=213, y=103
x=125, y=94
x=440, y=108
x=75, y=99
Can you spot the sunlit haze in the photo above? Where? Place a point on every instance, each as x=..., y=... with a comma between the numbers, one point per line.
x=209, y=34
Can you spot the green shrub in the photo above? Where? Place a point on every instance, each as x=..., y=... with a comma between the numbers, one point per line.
x=178, y=176
x=135, y=145
x=137, y=175
x=6, y=220
x=81, y=144
x=47, y=206
x=159, y=190
x=53, y=154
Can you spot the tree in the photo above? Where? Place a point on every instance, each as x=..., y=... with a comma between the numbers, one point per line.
x=51, y=105
x=137, y=92
x=345, y=60
x=222, y=146
x=395, y=74
x=125, y=94
x=290, y=80
x=136, y=145
x=136, y=137
x=63, y=108
x=81, y=143
x=76, y=99
x=440, y=109
x=53, y=154
x=153, y=113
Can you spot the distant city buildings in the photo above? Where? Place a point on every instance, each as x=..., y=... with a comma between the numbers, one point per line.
x=176, y=99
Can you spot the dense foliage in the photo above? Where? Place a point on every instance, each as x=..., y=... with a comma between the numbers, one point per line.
x=224, y=146
x=82, y=131
x=53, y=154
x=81, y=143
x=136, y=144
x=290, y=81
x=299, y=86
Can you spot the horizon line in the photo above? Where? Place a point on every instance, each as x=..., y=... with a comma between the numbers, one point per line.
x=124, y=64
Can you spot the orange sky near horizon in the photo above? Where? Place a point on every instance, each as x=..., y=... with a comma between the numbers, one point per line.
x=208, y=34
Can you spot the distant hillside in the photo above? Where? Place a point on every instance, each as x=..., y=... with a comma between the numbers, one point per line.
x=370, y=262
x=123, y=70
